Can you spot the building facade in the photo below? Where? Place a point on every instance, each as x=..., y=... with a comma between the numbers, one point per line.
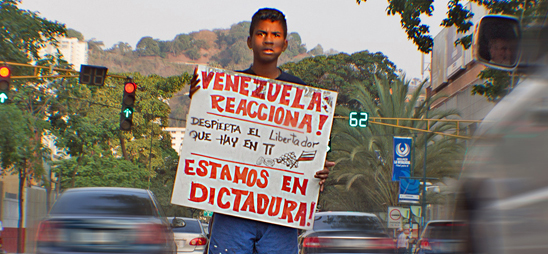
x=454, y=73
x=177, y=136
x=74, y=51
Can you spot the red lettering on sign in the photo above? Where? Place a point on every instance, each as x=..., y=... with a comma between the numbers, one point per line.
x=285, y=94
x=225, y=173
x=211, y=196
x=249, y=203
x=202, y=170
x=240, y=175
x=298, y=185
x=188, y=169
x=243, y=85
x=206, y=78
x=297, y=100
x=307, y=121
x=316, y=101
x=291, y=119
x=238, y=198
x=249, y=105
x=215, y=99
x=262, y=203
x=301, y=214
x=251, y=178
x=230, y=104
x=274, y=207
x=289, y=206
x=218, y=79
x=220, y=203
x=214, y=167
x=242, y=108
x=232, y=85
x=271, y=97
x=262, y=116
x=264, y=175
x=193, y=187
x=285, y=183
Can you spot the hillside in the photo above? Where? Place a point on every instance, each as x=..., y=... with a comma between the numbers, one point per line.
x=223, y=48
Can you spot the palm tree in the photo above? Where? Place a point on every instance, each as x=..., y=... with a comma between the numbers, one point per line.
x=364, y=155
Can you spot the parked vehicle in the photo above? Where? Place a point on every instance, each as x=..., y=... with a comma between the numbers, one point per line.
x=206, y=228
x=189, y=235
x=1, y=239
x=106, y=220
x=441, y=236
x=346, y=232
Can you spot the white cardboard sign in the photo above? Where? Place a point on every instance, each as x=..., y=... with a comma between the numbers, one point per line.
x=252, y=146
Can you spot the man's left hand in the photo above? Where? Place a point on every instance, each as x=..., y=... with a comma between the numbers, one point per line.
x=322, y=174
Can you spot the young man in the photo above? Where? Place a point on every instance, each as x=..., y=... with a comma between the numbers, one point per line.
x=229, y=234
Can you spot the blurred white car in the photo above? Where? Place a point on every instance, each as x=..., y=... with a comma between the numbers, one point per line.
x=189, y=235
x=504, y=193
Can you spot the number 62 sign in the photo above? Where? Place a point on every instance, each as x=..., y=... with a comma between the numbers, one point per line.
x=358, y=119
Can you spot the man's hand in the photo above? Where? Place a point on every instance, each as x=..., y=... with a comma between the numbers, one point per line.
x=322, y=174
x=194, y=83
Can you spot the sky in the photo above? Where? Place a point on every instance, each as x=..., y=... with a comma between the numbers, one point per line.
x=342, y=25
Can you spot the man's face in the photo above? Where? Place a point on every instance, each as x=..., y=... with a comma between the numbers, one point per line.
x=267, y=41
x=502, y=51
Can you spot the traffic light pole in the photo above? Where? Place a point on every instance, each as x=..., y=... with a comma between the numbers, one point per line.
x=69, y=73
x=423, y=198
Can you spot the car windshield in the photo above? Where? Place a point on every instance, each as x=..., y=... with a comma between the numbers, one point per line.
x=444, y=230
x=348, y=222
x=103, y=203
x=192, y=226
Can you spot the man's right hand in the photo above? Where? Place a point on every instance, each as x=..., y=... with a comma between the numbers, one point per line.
x=194, y=83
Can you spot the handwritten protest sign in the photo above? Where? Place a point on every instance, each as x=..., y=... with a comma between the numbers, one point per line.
x=252, y=147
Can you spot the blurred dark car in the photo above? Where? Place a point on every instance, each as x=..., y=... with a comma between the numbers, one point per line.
x=105, y=220
x=441, y=236
x=189, y=235
x=346, y=232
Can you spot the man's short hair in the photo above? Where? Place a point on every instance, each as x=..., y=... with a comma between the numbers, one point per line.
x=272, y=15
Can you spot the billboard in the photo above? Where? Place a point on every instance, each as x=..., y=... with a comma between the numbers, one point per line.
x=439, y=62
x=402, y=158
x=448, y=59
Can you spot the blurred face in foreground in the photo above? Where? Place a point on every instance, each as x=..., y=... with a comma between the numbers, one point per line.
x=267, y=41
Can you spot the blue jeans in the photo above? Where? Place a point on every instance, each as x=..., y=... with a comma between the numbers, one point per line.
x=235, y=235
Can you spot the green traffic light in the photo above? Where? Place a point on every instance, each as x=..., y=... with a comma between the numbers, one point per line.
x=3, y=97
x=127, y=112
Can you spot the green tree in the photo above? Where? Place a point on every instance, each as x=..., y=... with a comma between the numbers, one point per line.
x=121, y=48
x=316, y=51
x=294, y=46
x=410, y=11
x=337, y=72
x=71, y=33
x=21, y=151
x=95, y=46
x=85, y=121
x=495, y=84
x=193, y=54
x=22, y=45
x=362, y=175
x=148, y=47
